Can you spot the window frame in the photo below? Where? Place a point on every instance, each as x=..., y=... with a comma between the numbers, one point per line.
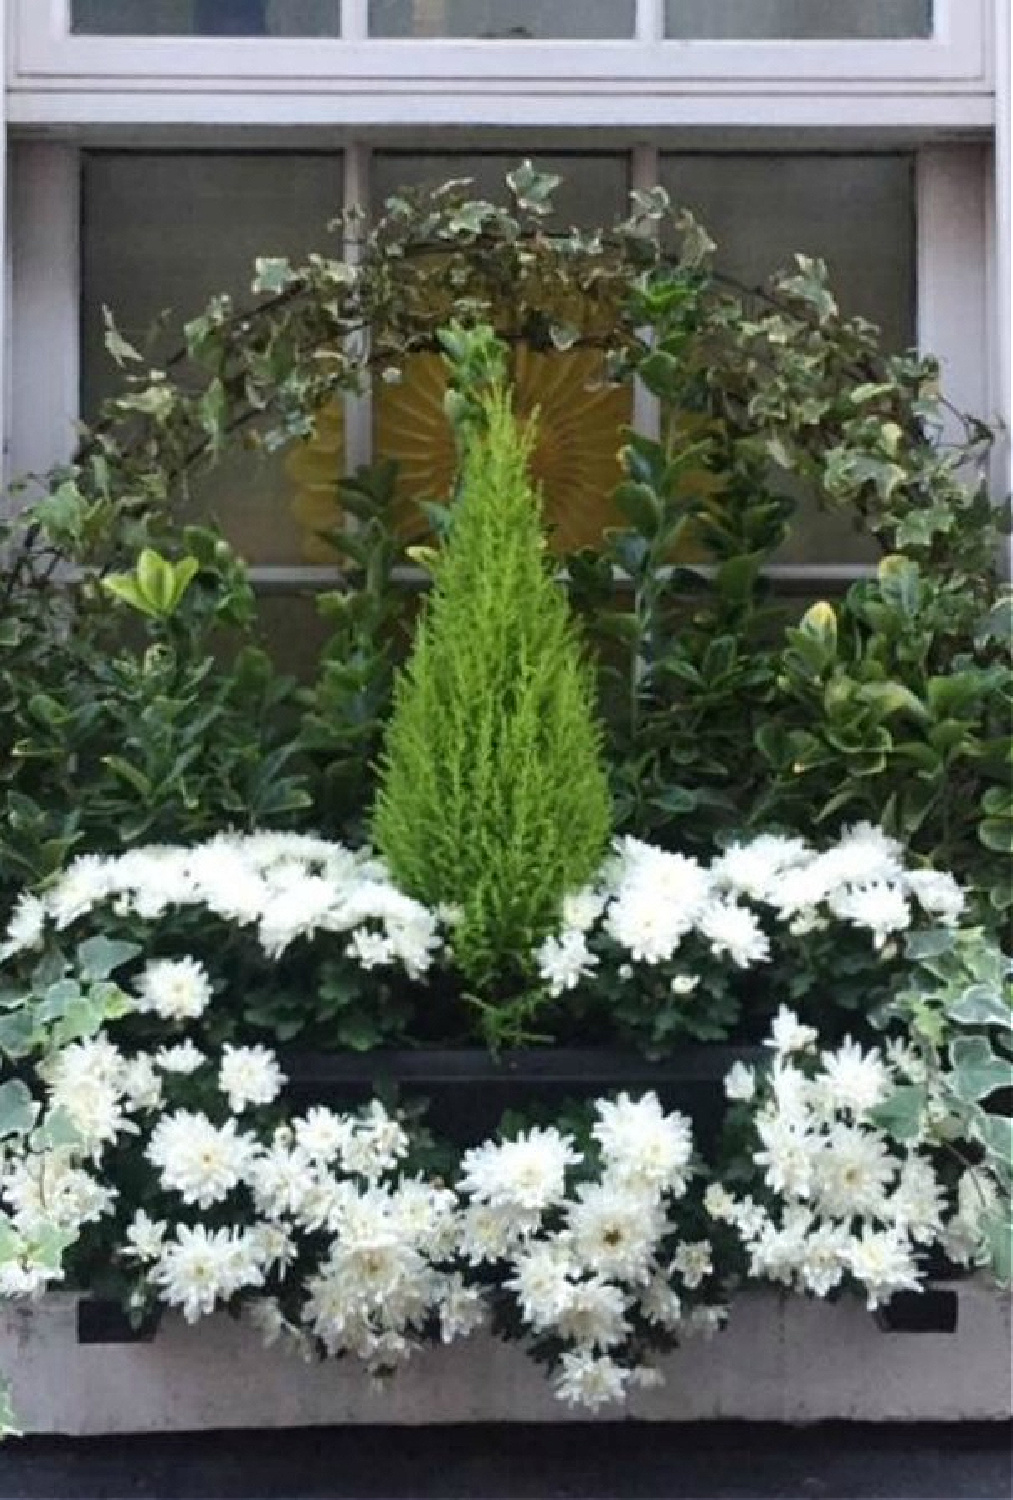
x=360, y=80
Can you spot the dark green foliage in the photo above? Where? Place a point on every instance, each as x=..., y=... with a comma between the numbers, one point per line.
x=493, y=798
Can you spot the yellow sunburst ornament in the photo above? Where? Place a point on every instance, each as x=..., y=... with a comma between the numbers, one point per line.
x=575, y=457
x=580, y=421
x=316, y=467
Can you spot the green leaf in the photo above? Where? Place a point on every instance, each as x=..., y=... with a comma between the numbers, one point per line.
x=997, y=834
x=996, y=1133
x=122, y=352
x=17, y=1108
x=273, y=275
x=641, y=507
x=98, y=957
x=977, y=1071
x=17, y=1033
x=932, y=944
x=57, y=1132
x=980, y=1006
x=900, y=583
x=901, y=1114
x=998, y=1234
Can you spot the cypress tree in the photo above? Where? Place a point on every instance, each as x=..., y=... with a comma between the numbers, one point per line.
x=493, y=797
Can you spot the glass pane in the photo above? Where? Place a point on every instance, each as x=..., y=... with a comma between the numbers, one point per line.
x=798, y=20
x=206, y=17
x=855, y=212
x=502, y=19
x=171, y=230
x=580, y=420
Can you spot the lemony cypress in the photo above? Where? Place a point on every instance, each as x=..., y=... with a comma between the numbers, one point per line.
x=493, y=796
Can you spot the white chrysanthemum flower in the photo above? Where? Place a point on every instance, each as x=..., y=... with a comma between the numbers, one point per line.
x=426, y=1216
x=141, y=1083
x=823, y=1258
x=271, y=1245
x=754, y=869
x=371, y=950
x=462, y=1309
x=526, y=1173
x=145, y=1237
x=542, y=1281
x=694, y=1262
x=224, y=878
x=787, y=1155
x=787, y=1033
x=733, y=930
x=658, y=898
x=376, y=1145
x=882, y=909
x=740, y=1083
x=938, y=893
x=183, y=1059
x=200, y=1161
x=864, y=855
x=660, y=1303
x=300, y=909
x=854, y=1174
x=151, y=879
x=175, y=989
x=249, y=1075
x=565, y=960
x=593, y=1316
x=282, y=1181
x=202, y=1267
x=586, y=1379
x=882, y=1261
x=415, y=939
x=322, y=1134
x=26, y=925
x=906, y=1060
x=581, y=909
x=86, y=1085
x=918, y=1202
x=853, y=1079
x=85, y=884
x=486, y=1234
x=719, y=1203
x=47, y=1191
x=645, y=925
x=642, y=1145
x=614, y=1230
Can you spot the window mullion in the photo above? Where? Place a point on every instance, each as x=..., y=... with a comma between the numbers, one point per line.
x=644, y=175
x=358, y=408
x=650, y=21
x=354, y=20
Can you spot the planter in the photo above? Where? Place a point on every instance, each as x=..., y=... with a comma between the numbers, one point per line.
x=468, y=1090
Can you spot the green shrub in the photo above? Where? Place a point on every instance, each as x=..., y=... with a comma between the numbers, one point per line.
x=493, y=798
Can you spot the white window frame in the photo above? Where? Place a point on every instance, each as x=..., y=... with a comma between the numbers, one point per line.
x=358, y=81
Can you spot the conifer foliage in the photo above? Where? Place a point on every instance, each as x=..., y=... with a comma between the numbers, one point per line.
x=493, y=796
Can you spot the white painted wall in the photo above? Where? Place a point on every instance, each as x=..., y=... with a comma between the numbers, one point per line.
x=781, y=1360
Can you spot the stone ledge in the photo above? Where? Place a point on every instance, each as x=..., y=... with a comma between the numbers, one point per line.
x=781, y=1360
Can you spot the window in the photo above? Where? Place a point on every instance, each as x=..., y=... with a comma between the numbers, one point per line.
x=203, y=132
x=168, y=231
x=206, y=17
x=502, y=20
x=798, y=20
